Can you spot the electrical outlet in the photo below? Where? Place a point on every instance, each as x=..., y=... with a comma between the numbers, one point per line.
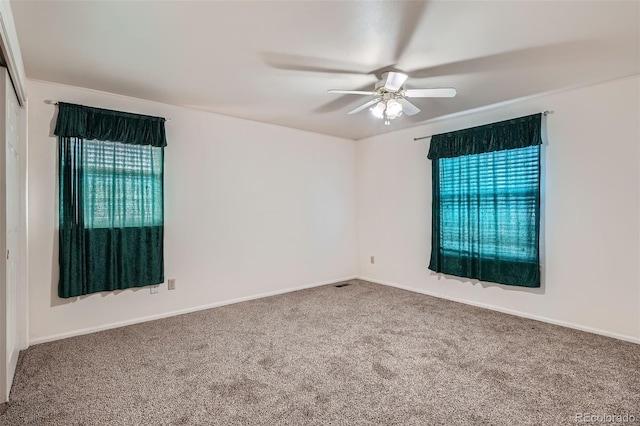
x=155, y=289
x=171, y=284
x=373, y=259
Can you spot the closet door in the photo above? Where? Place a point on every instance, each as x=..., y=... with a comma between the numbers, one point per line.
x=10, y=218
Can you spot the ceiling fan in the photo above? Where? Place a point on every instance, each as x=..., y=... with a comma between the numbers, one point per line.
x=390, y=97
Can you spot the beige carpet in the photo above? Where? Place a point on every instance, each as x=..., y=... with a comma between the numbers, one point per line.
x=360, y=354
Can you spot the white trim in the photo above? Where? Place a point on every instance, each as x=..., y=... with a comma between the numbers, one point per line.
x=180, y=312
x=24, y=126
x=12, y=366
x=5, y=384
x=509, y=311
x=319, y=284
x=11, y=50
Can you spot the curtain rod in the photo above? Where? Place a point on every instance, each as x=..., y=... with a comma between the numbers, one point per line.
x=545, y=113
x=50, y=102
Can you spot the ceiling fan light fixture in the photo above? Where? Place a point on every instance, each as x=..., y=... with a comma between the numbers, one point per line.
x=393, y=110
x=378, y=110
x=390, y=101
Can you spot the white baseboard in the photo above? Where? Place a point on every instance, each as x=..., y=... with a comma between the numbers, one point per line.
x=318, y=284
x=509, y=311
x=179, y=312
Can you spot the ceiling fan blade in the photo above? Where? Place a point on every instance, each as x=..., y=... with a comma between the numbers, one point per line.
x=310, y=64
x=368, y=104
x=351, y=92
x=549, y=54
x=407, y=107
x=340, y=102
x=411, y=16
x=443, y=92
x=393, y=81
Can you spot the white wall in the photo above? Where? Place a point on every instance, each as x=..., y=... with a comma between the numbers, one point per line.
x=250, y=208
x=591, y=208
x=253, y=208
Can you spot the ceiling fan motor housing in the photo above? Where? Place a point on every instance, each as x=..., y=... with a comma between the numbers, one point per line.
x=390, y=96
x=380, y=86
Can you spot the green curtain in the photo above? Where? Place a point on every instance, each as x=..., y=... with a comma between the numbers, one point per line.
x=90, y=123
x=509, y=134
x=486, y=202
x=111, y=201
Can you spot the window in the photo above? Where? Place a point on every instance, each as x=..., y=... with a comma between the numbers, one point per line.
x=123, y=185
x=111, y=200
x=486, y=206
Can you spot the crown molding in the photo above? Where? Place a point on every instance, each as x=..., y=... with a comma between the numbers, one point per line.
x=11, y=52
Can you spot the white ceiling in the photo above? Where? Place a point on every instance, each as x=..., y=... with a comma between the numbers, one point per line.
x=269, y=61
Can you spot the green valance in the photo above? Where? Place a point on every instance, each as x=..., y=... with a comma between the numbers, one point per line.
x=509, y=134
x=78, y=121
